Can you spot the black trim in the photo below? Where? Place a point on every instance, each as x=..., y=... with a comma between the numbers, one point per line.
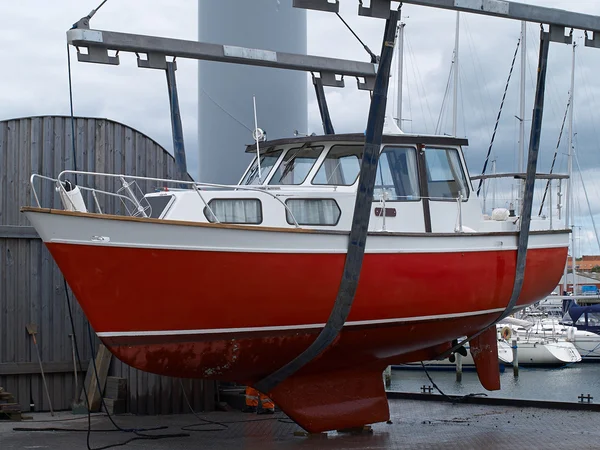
x=399, y=139
x=466, y=181
x=422, y=168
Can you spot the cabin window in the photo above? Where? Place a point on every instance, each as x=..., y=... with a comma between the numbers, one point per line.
x=313, y=211
x=397, y=177
x=267, y=161
x=593, y=319
x=230, y=210
x=445, y=177
x=158, y=204
x=341, y=166
x=296, y=165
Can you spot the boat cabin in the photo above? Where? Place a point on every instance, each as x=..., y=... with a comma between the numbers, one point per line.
x=422, y=186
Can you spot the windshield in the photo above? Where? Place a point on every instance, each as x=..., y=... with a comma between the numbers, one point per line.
x=296, y=165
x=267, y=161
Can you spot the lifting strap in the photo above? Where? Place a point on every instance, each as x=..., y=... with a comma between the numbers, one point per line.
x=360, y=221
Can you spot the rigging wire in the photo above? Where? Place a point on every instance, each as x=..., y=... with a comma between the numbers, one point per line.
x=374, y=58
x=479, y=75
x=225, y=111
x=587, y=199
x=437, y=126
x=487, y=158
x=562, y=128
x=419, y=79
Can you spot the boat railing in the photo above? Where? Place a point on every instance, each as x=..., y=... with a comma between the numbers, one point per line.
x=136, y=204
x=549, y=177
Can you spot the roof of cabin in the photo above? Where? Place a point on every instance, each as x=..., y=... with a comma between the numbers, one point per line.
x=406, y=139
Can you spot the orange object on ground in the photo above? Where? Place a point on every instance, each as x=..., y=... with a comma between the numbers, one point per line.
x=252, y=397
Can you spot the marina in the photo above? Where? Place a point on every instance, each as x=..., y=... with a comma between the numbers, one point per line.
x=349, y=289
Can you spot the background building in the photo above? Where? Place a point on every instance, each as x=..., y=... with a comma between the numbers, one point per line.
x=226, y=90
x=32, y=289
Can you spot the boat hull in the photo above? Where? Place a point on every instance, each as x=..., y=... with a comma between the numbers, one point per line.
x=236, y=303
x=547, y=353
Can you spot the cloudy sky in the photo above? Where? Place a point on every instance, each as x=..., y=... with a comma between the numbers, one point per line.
x=34, y=79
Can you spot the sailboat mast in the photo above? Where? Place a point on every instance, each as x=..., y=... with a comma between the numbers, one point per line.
x=400, y=62
x=521, y=167
x=569, y=201
x=455, y=105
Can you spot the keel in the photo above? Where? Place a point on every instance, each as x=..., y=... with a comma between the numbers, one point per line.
x=334, y=401
x=484, y=349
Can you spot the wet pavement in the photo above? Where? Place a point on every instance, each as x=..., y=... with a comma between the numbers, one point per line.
x=416, y=425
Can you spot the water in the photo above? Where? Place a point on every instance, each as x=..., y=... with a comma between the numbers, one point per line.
x=562, y=384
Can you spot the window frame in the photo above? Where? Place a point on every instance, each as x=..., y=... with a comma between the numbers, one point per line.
x=466, y=180
x=271, y=172
x=288, y=210
x=416, y=154
x=289, y=150
x=167, y=206
x=262, y=217
x=322, y=162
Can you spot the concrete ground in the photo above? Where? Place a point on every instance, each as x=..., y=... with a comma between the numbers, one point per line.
x=416, y=425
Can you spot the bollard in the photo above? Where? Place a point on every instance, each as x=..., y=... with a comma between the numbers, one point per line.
x=459, y=358
x=515, y=359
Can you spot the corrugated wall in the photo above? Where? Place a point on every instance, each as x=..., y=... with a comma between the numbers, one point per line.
x=31, y=285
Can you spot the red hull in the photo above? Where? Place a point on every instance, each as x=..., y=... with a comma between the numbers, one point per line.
x=225, y=300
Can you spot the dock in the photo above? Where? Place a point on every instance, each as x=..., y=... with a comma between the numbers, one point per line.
x=415, y=424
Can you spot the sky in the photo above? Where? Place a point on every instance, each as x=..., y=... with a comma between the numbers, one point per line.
x=34, y=80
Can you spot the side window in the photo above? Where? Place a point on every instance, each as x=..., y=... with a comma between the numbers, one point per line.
x=445, y=177
x=341, y=166
x=397, y=175
x=313, y=211
x=267, y=161
x=296, y=165
x=247, y=210
x=158, y=204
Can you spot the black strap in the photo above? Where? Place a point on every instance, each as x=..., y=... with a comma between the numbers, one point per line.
x=360, y=221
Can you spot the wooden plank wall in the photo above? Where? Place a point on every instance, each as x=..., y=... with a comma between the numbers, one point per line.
x=31, y=285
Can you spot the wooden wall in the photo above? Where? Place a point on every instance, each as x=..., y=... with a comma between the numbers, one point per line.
x=31, y=285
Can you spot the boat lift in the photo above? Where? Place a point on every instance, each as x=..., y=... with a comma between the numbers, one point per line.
x=370, y=76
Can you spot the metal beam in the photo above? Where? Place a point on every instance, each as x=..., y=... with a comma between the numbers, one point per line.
x=99, y=42
x=557, y=18
x=518, y=11
x=176, y=125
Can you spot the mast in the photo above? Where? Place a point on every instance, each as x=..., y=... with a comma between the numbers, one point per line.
x=455, y=106
x=400, y=62
x=521, y=167
x=569, y=201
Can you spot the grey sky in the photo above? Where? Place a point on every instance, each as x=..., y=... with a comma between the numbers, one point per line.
x=34, y=77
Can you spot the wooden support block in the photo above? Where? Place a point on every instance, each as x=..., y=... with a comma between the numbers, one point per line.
x=6, y=397
x=115, y=406
x=94, y=387
x=116, y=388
x=10, y=407
x=13, y=416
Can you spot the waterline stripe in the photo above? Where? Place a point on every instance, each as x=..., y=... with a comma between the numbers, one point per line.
x=292, y=327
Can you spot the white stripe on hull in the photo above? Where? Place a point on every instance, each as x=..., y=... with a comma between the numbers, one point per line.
x=56, y=228
x=294, y=327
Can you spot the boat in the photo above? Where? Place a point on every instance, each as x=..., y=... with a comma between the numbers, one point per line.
x=232, y=282
x=537, y=348
x=583, y=322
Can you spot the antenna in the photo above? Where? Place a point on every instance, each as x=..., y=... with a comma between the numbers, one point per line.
x=258, y=135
